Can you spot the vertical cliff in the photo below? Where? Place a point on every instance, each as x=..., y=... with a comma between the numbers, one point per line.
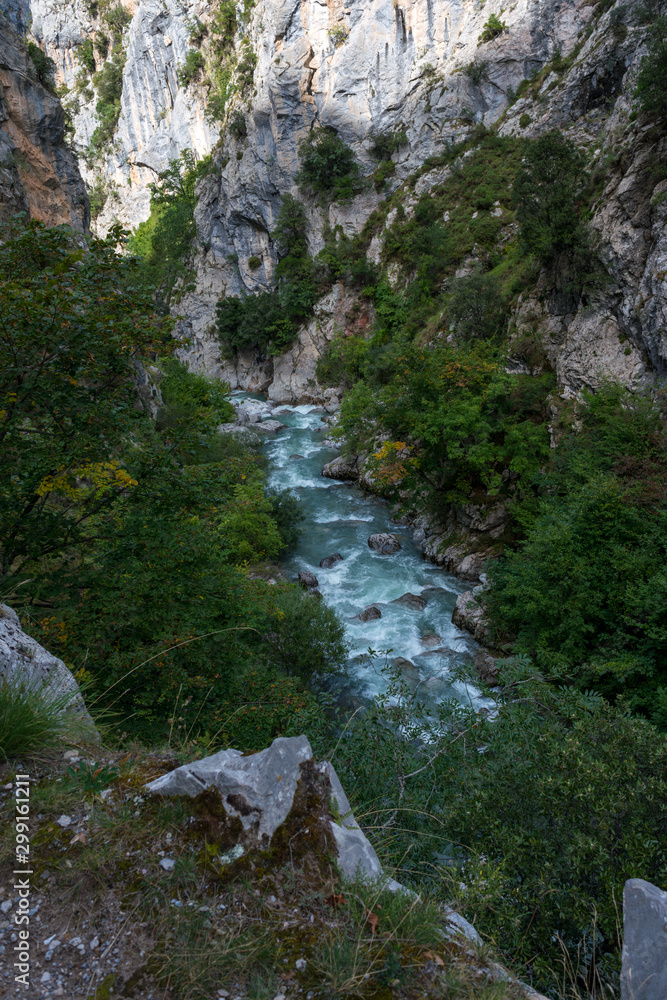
x=38, y=172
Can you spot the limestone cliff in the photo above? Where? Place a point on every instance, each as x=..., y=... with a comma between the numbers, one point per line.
x=38, y=172
x=365, y=69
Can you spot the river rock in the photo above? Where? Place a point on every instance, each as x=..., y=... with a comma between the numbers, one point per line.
x=330, y=561
x=297, y=458
x=251, y=411
x=343, y=467
x=369, y=614
x=384, y=543
x=268, y=426
x=431, y=639
x=307, y=579
x=469, y=613
x=486, y=666
x=444, y=651
x=26, y=664
x=409, y=671
x=644, y=961
x=411, y=601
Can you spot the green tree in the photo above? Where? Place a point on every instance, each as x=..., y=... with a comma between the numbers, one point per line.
x=328, y=166
x=547, y=194
x=74, y=324
x=652, y=80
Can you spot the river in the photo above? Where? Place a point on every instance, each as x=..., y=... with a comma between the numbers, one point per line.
x=339, y=518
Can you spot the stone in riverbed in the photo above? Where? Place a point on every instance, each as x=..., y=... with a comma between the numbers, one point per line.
x=411, y=601
x=369, y=614
x=268, y=426
x=330, y=561
x=307, y=579
x=297, y=458
x=343, y=467
x=431, y=639
x=384, y=543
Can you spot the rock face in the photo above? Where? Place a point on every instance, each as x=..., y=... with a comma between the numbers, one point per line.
x=25, y=663
x=256, y=794
x=644, y=970
x=38, y=173
x=469, y=613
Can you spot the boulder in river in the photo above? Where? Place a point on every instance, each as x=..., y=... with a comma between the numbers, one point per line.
x=297, y=458
x=269, y=426
x=307, y=579
x=369, y=614
x=330, y=561
x=384, y=543
x=431, y=639
x=409, y=671
x=343, y=467
x=411, y=601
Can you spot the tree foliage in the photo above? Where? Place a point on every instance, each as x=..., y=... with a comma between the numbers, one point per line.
x=328, y=167
x=652, y=80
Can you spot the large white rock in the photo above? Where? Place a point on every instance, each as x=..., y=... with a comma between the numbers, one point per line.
x=25, y=663
x=644, y=969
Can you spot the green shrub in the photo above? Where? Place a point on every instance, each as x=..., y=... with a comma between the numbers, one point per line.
x=476, y=308
x=586, y=593
x=254, y=262
x=87, y=55
x=44, y=65
x=492, y=28
x=385, y=144
x=524, y=120
x=118, y=19
x=548, y=195
x=254, y=321
x=102, y=43
x=237, y=126
x=109, y=85
x=164, y=241
x=191, y=68
x=477, y=72
x=328, y=166
x=651, y=89
x=529, y=820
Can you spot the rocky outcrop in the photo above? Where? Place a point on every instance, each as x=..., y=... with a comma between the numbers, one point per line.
x=469, y=614
x=38, y=172
x=255, y=795
x=644, y=969
x=26, y=665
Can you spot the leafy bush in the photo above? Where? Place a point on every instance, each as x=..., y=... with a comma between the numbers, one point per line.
x=476, y=308
x=492, y=28
x=476, y=72
x=254, y=321
x=338, y=34
x=87, y=55
x=164, y=241
x=652, y=80
x=507, y=812
x=60, y=423
x=191, y=68
x=44, y=65
x=548, y=195
x=385, y=144
x=328, y=166
x=109, y=85
x=586, y=593
x=254, y=262
x=118, y=19
x=237, y=126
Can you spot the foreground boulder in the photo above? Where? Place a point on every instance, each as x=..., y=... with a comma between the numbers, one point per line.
x=271, y=798
x=644, y=969
x=384, y=543
x=469, y=613
x=26, y=664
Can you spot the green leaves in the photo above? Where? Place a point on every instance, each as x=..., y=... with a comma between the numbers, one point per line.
x=652, y=80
